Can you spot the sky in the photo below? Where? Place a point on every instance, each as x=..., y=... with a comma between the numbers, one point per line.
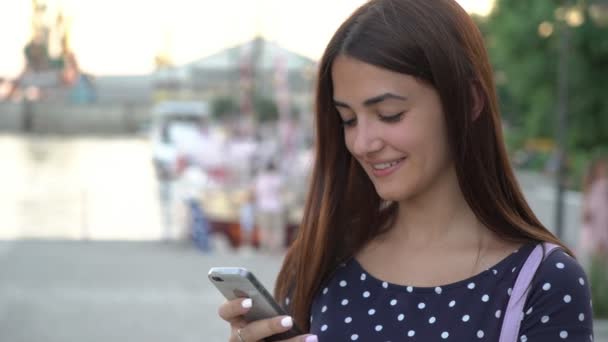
x=112, y=37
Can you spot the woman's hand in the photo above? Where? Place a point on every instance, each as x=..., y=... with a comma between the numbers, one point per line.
x=241, y=331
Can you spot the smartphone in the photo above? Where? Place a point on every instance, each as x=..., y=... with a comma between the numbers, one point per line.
x=238, y=282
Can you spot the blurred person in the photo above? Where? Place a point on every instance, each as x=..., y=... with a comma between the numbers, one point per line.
x=270, y=208
x=189, y=189
x=594, y=231
x=415, y=225
x=247, y=219
x=163, y=157
x=4, y=88
x=267, y=151
x=199, y=225
x=242, y=153
x=180, y=160
x=192, y=140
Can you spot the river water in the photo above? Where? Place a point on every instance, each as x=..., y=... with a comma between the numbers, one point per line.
x=77, y=188
x=104, y=188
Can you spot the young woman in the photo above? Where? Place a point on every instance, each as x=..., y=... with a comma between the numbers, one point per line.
x=415, y=227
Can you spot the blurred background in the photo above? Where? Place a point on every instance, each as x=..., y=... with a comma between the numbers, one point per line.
x=143, y=142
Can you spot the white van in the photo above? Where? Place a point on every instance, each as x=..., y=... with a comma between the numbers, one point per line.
x=175, y=134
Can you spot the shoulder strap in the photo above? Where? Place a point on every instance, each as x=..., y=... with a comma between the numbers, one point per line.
x=515, y=307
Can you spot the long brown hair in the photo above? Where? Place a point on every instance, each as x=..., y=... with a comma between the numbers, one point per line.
x=437, y=42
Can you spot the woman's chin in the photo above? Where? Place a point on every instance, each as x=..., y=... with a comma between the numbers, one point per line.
x=392, y=195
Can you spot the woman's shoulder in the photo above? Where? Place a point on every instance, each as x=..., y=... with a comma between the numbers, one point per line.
x=559, y=270
x=559, y=297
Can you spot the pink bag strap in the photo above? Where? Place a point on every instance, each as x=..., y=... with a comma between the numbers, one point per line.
x=515, y=307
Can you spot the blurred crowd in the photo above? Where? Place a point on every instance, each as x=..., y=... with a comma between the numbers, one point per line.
x=241, y=182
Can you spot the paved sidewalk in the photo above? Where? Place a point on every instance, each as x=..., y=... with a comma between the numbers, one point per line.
x=62, y=291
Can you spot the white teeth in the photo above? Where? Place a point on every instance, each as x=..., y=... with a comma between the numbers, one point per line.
x=384, y=166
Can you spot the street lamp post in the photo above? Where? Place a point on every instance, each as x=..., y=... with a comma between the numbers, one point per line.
x=562, y=124
x=568, y=16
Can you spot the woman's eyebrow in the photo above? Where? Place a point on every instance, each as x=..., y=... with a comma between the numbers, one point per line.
x=373, y=100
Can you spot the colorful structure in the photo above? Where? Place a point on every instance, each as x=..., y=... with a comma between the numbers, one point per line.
x=51, y=68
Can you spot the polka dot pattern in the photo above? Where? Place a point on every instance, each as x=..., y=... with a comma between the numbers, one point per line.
x=355, y=306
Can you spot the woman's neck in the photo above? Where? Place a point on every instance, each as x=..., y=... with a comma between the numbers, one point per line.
x=438, y=217
x=436, y=231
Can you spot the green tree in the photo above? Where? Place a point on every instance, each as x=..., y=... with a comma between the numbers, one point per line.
x=525, y=60
x=265, y=108
x=224, y=106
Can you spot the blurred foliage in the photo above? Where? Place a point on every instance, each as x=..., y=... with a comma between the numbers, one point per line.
x=599, y=287
x=265, y=108
x=223, y=107
x=526, y=72
x=226, y=107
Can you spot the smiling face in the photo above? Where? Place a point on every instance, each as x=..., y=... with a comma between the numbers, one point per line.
x=393, y=125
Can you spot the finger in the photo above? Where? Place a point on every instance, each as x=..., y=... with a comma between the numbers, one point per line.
x=303, y=338
x=261, y=329
x=238, y=323
x=233, y=309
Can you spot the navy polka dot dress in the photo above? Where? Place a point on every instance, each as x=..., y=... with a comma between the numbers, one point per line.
x=355, y=306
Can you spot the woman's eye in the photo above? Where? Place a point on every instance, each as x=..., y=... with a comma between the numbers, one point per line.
x=392, y=118
x=349, y=123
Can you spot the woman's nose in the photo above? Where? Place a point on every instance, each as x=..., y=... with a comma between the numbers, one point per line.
x=367, y=139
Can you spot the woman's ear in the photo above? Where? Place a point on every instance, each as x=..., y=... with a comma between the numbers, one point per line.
x=478, y=101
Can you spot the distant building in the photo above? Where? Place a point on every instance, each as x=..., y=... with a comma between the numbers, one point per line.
x=125, y=89
x=223, y=74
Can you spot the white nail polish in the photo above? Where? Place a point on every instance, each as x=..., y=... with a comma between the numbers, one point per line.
x=312, y=338
x=287, y=322
x=246, y=303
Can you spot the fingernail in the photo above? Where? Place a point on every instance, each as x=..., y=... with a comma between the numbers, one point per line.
x=311, y=338
x=287, y=322
x=246, y=303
